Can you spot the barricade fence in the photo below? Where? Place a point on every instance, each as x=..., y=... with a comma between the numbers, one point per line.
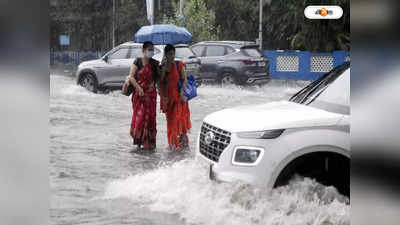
x=303, y=65
x=72, y=58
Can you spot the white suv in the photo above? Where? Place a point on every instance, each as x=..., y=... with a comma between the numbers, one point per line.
x=267, y=144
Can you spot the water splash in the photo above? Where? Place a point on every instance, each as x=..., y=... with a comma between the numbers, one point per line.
x=184, y=189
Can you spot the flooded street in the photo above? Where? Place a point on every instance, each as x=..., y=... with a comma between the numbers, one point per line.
x=95, y=178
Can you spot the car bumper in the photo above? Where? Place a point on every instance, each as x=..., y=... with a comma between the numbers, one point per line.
x=219, y=173
x=225, y=171
x=231, y=177
x=258, y=78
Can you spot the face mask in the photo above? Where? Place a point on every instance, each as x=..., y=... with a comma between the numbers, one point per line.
x=149, y=54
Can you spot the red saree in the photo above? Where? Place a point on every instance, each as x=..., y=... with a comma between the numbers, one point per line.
x=143, y=126
x=176, y=110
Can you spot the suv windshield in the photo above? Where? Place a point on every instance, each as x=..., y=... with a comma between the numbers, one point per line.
x=183, y=53
x=318, y=86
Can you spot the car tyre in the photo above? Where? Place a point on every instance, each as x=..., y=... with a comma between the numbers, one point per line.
x=89, y=82
x=313, y=166
x=227, y=79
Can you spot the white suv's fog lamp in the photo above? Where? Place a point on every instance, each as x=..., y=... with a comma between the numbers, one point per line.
x=247, y=156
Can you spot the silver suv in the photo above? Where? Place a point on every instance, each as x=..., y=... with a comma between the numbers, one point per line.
x=110, y=71
x=232, y=62
x=307, y=135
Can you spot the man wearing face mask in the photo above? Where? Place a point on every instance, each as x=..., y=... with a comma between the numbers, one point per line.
x=143, y=76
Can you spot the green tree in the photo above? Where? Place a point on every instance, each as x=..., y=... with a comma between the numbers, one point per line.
x=131, y=16
x=284, y=26
x=88, y=22
x=238, y=19
x=199, y=20
x=287, y=28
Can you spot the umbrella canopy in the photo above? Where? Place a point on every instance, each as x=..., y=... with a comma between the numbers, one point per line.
x=162, y=34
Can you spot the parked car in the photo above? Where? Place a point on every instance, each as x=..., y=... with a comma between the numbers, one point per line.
x=307, y=135
x=110, y=71
x=231, y=62
x=185, y=54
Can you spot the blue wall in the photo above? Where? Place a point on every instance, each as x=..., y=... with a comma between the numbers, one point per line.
x=304, y=67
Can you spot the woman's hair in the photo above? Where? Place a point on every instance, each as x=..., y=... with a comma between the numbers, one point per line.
x=168, y=48
x=146, y=45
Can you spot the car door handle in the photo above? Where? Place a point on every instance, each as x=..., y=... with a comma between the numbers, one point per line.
x=220, y=61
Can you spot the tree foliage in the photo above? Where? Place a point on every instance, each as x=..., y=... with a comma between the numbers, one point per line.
x=287, y=28
x=198, y=20
x=284, y=24
x=237, y=19
x=87, y=20
x=131, y=16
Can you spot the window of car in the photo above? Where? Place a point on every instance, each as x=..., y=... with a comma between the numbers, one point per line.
x=229, y=50
x=121, y=53
x=156, y=51
x=215, y=50
x=312, y=91
x=183, y=53
x=198, y=50
x=336, y=94
x=136, y=52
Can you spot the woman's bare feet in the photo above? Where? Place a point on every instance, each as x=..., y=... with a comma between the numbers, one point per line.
x=172, y=148
x=152, y=147
x=184, y=141
x=149, y=147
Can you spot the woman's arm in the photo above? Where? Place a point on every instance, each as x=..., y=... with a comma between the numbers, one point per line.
x=162, y=83
x=132, y=79
x=132, y=75
x=184, y=79
x=183, y=74
x=163, y=72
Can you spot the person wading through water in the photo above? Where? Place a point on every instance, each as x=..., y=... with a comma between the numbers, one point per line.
x=173, y=102
x=143, y=76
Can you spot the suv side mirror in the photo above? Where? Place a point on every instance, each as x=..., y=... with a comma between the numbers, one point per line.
x=105, y=58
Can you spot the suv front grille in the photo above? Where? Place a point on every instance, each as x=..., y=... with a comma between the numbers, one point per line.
x=213, y=150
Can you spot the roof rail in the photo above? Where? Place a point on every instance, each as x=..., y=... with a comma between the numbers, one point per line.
x=230, y=42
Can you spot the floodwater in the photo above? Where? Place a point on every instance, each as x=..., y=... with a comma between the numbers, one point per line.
x=96, y=178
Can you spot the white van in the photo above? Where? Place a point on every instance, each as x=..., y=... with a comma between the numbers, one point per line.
x=269, y=143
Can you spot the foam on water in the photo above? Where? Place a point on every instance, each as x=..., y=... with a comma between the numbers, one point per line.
x=184, y=189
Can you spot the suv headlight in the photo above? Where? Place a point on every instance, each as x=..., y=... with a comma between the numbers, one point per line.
x=247, y=156
x=267, y=134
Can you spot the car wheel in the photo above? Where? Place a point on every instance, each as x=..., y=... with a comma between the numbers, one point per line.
x=227, y=79
x=327, y=168
x=89, y=82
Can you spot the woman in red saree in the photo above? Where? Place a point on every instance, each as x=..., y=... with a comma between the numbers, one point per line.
x=143, y=77
x=172, y=101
